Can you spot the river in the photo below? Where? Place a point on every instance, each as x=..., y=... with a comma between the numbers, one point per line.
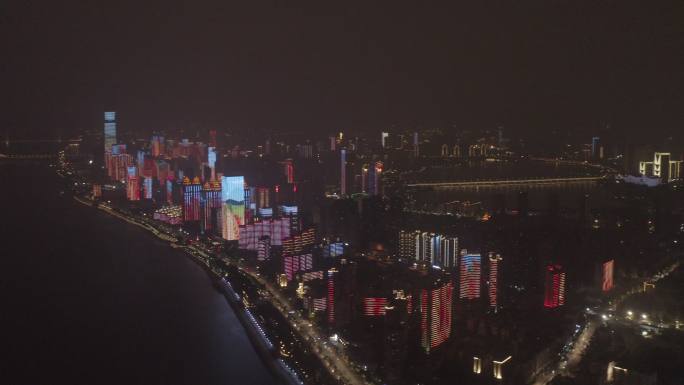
x=90, y=299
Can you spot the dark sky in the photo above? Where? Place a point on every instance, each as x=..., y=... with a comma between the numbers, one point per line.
x=325, y=66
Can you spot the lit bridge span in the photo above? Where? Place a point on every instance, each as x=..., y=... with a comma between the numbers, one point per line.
x=26, y=156
x=505, y=183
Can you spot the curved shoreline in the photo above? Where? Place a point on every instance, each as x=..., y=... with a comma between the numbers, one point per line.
x=263, y=347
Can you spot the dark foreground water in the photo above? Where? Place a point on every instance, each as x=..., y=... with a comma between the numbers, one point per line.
x=88, y=299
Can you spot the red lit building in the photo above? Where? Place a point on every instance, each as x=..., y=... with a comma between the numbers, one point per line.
x=132, y=184
x=554, y=286
x=331, y=296
x=470, y=275
x=607, y=276
x=435, y=316
x=293, y=264
x=494, y=279
x=191, y=199
x=373, y=306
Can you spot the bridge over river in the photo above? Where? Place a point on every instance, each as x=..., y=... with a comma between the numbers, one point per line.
x=504, y=183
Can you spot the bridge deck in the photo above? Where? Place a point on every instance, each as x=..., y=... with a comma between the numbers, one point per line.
x=503, y=182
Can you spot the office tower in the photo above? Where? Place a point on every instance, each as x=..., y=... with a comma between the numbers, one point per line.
x=132, y=184
x=295, y=263
x=288, y=170
x=263, y=197
x=156, y=145
x=554, y=286
x=334, y=249
x=291, y=213
x=299, y=243
x=343, y=172
x=169, y=189
x=211, y=161
x=435, y=316
x=192, y=192
x=210, y=205
x=264, y=248
x=607, y=276
x=97, y=190
x=276, y=229
x=416, y=148
x=374, y=306
x=408, y=244
x=147, y=187
x=494, y=260
x=109, y=131
x=333, y=143
x=456, y=151
x=233, y=210
x=364, y=178
x=449, y=252
x=595, y=147
x=383, y=139
x=331, y=296
x=374, y=178
x=470, y=276
x=212, y=138
x=306, y=151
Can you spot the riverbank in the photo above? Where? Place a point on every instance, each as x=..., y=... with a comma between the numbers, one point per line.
x=253, y=330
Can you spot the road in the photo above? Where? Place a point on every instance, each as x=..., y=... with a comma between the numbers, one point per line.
x=335, y=363
x=578, y=343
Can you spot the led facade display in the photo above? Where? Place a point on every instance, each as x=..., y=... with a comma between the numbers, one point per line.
x=233, y=210
x=470, y=276
x=607, y=281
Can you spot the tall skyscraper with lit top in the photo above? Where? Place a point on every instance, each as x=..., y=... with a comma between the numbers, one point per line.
x=109, y=131
x=554, y=286
x=191, y=199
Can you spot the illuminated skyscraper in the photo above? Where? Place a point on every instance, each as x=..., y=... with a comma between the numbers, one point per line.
x=494, y=279
x=435, y=316
x=607, y=276
x=554, y=286
x=147, y=187
x=374, y=176
x=191, y=199
x=288, y=170
x=374, y=306
x=263, y=197
x=233, y=210
x=210, y=204
x=331, y=296
x=132, y=184
x=109, y=131
x=264, y=248
x=408, y=244
x=416, y=145
x=449, y=252
x=343, y=172
x=470, y=276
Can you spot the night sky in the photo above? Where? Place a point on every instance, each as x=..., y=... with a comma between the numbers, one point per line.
x=322, y=66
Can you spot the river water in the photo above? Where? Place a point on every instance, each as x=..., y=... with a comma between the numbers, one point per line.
x=89, y=299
